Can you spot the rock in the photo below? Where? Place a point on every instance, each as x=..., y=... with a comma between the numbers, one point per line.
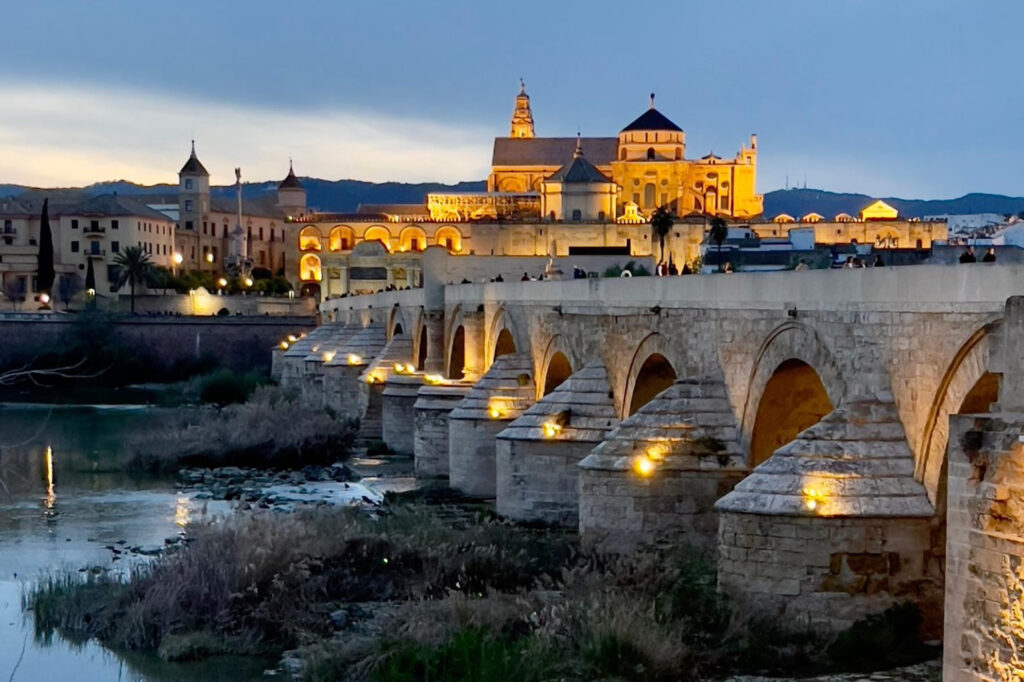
x=340, y=618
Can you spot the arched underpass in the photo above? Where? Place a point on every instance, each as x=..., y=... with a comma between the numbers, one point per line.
x=794, y=399
x=559, y=370
x=457, y=359
x=655, y=375
x=505, y=344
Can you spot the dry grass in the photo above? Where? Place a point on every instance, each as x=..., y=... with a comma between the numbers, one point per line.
x=273, y=428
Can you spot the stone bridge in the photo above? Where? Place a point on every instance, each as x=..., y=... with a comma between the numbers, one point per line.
x=794, y=425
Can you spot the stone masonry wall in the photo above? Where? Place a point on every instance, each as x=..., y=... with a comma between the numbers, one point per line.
x=827, y=572
x=472, y=464
x=619, y=510
x=984, y=619
x=538, y=480
x=398, y=416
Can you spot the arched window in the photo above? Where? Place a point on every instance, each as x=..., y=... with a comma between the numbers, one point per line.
x=650, y=153
x=412, y=239
x=622, y=155
x=379, y=234
x=309, y=268
x=577, y=215
x=450, y=238
x=649, y=195
x=309, y=238
x=679, y=153
x=341, y=239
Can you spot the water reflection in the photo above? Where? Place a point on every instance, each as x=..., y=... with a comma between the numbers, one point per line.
x=183, y=512
x=51, y=497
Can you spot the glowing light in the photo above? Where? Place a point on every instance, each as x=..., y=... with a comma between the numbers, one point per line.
x=44, y=298
x=374, y=378
x=657, y=451
x=222, y=282
x=182, y=512
x=177, y=257
x=551, y=429
x=434, y=379
x=291, y=338
x=643, y=465
x=329, y=355
x=497, y=408
x=247, y=281
x=209, y=257
x=354, y=359
x=51, y=495
x=399, y=368
x=284, y=345
x=814, y=499
x=91, y=293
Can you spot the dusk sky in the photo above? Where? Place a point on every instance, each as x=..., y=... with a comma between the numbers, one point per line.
x=914, y=98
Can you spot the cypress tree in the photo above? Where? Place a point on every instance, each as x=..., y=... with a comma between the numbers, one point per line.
x=46, y=272
x=90, y=277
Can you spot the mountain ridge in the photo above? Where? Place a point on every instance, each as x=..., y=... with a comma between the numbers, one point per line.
x=344, y=196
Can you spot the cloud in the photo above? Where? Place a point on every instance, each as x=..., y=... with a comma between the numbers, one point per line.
x=61, y=135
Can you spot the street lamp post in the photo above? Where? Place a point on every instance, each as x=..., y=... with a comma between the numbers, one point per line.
x=176, y=260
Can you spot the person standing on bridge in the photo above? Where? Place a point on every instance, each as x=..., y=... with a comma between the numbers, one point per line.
x=990, y=256
x=968, y=256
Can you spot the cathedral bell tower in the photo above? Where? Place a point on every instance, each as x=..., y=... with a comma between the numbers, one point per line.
x=522, y=117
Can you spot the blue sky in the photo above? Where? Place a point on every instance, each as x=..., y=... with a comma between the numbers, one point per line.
x=912, y=98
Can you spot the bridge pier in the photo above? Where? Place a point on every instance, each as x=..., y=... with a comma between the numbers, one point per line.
x=536, y=473
x=398, y=412
x=660, y=473
x=433, y=406
x=498, y=398
x=832, y=527
x=293, y=359
x=344, y=389
x=433, y=320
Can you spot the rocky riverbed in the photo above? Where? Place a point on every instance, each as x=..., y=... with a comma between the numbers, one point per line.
x=924, y=672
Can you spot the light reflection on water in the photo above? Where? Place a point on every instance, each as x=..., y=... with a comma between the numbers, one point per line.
x=62, y=502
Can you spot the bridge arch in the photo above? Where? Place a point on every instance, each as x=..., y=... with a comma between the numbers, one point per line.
x=455, y=346
x=793, y=365
x=966, y=387
x=501, y=336
x=396, y=322
x=650, y=372
x=555, y=366
x=419, y=340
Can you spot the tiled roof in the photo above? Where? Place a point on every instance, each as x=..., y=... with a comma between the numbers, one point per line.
x=652, y=119
x=507, y=385
x=398, y=349
x=193, y=165
x=304, y=346
x=854, y=462
x=581, y=406
x=290, y=181
x=689, y=426
x=113, y=205
x=579, y=171
x=551, y=151
x=367, y=344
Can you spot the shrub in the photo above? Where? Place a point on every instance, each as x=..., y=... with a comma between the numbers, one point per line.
x=224, y=386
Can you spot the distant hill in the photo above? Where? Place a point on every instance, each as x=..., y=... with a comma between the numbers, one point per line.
x=799, y=202
x=326, y=195
x=346, y=195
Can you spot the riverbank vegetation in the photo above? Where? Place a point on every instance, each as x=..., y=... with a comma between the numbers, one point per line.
x=445, y=593
x=274, y=428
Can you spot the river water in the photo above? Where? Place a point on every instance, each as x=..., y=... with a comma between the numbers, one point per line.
x=63, y=500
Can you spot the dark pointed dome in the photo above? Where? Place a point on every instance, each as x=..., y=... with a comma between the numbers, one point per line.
x=652, y=119
x=193, y=166
x=290, y=181
x=579, y=169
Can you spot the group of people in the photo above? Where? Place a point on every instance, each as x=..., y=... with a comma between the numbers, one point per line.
x=670, y=270
x=968, y=256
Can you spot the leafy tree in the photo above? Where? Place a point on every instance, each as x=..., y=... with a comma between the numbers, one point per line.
x=68, y=287
x=159, y=278
x=46, y=272
x=133, y=264
x=718, y=233
x=661, y=222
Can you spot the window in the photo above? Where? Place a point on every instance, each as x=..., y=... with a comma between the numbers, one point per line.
x=600, y=215
x=649, y=195
x=188, y=224
x=204, y=227
x=8, y=226
x=188, y=204
x=271, y=234
x=188, y=183
x=74, y=224
x=115, y=247
x=577, y=214
x=261, y=234
x=263, y=257
x=193, y=256
x=650, y=154
x=74, y=247
x=113, y=224
x=664, y=199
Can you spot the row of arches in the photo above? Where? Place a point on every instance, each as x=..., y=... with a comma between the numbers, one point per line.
x=411, y=238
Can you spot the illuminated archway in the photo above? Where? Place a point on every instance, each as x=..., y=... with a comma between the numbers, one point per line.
x=450, y=238
x=457, y=354
x=655, y=375
x=342, y=238
x=309, y=238
x=505, y=344
x=379, y=234
x=309, y=268
x=412, y=239
x=558, y=370
x=793, y=399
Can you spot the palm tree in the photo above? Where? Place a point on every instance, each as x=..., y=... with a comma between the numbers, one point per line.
x=661, y=222
x=719, y=233
x=133, y=264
